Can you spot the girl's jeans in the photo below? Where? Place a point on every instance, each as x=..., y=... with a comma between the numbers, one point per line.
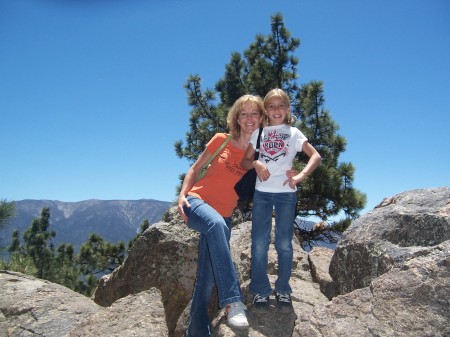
x=215, y=264
x=263, y=204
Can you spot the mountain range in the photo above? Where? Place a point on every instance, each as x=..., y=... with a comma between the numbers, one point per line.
x=73, y=222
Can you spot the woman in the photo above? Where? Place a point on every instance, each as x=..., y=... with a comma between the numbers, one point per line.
x=207, y=205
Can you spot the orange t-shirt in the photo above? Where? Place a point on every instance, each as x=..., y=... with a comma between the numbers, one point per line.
x=217, y=186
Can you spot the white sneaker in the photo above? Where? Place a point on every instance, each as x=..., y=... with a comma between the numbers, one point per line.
x=236, y=315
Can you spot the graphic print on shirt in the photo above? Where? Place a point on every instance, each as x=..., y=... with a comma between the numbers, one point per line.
x=275, y=145
x=232, y=167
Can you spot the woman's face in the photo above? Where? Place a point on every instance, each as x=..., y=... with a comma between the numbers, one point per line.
x=249, y=118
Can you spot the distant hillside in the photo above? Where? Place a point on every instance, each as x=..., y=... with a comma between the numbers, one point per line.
x=73, y=222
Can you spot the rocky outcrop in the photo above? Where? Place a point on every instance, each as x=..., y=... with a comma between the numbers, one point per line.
x=34, y=307
x=306, y=293
x=163, y=257
x=389, y=276
x=134, y=315
x=398, y=229
x=392, y=269
x=319, y=261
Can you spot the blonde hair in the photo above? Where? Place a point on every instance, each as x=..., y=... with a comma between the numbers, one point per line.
x=289, y=120
x=238, y=107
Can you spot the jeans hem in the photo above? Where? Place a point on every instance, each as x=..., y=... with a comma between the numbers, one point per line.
x=261, y=294
x=224, y=303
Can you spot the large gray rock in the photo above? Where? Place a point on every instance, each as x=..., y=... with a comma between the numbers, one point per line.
x=164, y=257
x=399, y=229
x=134, y=315
x=319, y=260
x=34, y=307
x=306, y=293
x=392, y=268
x=409, y=300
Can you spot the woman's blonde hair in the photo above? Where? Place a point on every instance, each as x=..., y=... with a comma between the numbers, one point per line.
x=238, y=107
x=289, y=120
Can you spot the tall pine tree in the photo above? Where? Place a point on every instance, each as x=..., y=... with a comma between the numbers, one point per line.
x=329, y=190
x=38, y=244
x=269, y=63
x=7, y=211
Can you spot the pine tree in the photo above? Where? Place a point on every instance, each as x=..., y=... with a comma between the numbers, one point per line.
x=7, y=211
x=329, y=190
x=98, y=256
x=269, y=62
x=80, y=273
x=38, y=243
x=65, y=271
x=14, y=247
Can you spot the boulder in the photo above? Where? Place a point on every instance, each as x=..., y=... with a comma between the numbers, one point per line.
x=319, y=260
x=412, y=299
x=392, y=269
x=34, y=307
x=400, y=228
x=163, y=257
x=135, y=315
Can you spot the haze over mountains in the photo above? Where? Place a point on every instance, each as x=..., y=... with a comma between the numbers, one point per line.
x=73, y=222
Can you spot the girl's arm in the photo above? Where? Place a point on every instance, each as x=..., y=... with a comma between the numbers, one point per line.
x=313, y=162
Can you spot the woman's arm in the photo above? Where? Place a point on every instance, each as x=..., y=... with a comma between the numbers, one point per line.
x=189, y=181
x=248, y=163
x=248, y=157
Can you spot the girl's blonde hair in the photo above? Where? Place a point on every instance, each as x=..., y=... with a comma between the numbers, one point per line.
x=238, y=107
x=289, y=120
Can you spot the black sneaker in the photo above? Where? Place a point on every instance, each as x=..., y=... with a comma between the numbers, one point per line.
x=261, y=303
x=284, y=302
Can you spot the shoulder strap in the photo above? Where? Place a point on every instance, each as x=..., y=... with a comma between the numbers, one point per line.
x=256, y=156
x=218, y=150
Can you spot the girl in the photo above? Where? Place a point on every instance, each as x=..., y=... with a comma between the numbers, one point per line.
x=275, y=189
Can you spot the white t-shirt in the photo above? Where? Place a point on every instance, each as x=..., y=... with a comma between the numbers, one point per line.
x=278, y=148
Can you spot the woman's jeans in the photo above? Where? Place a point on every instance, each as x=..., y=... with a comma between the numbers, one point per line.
x=215, y=264
x=263, y=204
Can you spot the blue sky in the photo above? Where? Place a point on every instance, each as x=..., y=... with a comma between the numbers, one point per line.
x=92, y=98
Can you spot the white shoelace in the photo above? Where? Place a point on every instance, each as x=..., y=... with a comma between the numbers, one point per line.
x=284, y=298
x=260, y=299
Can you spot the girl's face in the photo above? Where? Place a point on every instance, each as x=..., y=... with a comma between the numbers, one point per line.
x=249, y=118
x=276, y=111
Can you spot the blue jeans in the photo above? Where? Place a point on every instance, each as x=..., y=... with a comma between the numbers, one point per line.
x=214, y=265
x=263, y=204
